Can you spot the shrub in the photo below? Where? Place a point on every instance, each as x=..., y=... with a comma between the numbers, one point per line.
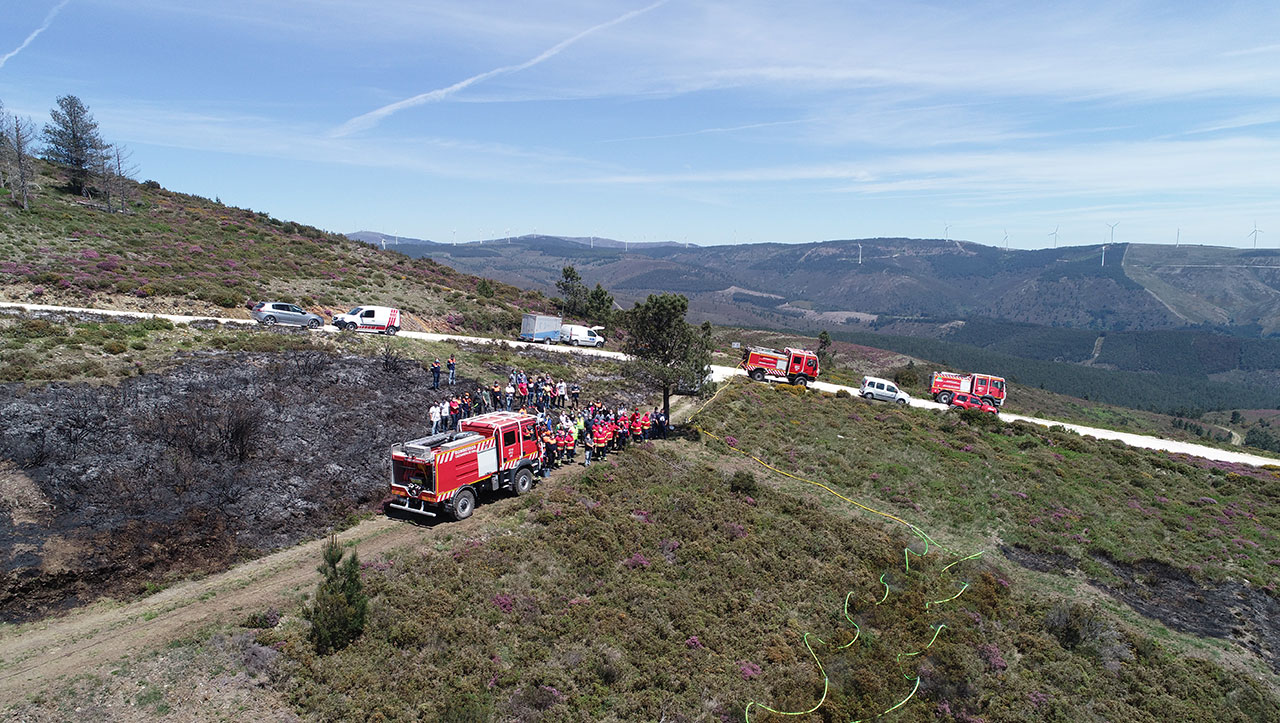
x=979, y=418
x=907, y=377
x=338, y=614
x=743, y=483
x=112, y=346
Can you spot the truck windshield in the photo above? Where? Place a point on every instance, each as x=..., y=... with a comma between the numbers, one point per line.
x=354, y=311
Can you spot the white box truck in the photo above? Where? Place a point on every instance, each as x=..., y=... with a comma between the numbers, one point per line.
x=539, y=328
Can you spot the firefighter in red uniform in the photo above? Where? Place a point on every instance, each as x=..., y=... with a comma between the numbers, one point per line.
x=645, y=425
x=599, y=441
x=571, y=440
x=562, y=446
x=637, y=428
x=621, y=430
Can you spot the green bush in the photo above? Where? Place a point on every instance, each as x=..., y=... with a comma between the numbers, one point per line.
x=113, y=346
x=743, y=482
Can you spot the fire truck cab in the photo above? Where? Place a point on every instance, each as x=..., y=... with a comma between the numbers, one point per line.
x=946, y=385
x=446, y=472
x=796, y=366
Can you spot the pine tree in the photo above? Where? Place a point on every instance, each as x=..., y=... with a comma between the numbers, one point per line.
x=340, y=608
x=667, y=351
x=72, y=141
x=573, y=293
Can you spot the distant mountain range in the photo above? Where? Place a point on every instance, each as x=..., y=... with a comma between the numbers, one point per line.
x=898, y=285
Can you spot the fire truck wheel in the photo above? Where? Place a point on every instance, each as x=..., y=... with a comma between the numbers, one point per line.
x=758, y=375
x=989, y=400
x=801, y=381
x=523, y=481
x=944, y=398
x=464, y=503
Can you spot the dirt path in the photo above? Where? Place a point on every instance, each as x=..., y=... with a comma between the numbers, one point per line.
x=33, y=656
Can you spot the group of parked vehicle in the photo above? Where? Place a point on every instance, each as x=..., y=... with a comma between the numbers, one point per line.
x=982, y=392
x=552, y=330
x=800, y=366
x=372, y=319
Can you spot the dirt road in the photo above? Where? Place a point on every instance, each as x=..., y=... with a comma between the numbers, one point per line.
x=33, y=656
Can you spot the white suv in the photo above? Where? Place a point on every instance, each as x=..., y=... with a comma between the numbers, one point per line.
x=884, y=390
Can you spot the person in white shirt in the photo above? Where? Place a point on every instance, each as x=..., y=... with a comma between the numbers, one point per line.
x=435, y=418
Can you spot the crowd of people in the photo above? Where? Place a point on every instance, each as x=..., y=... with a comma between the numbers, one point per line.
x=564, y=424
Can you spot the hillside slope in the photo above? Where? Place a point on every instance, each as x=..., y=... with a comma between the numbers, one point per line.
x=174, y=252
x=682, y=580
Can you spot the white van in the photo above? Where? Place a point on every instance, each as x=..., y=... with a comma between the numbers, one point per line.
x=579, y=335
x=884, y=390
x=379, y=319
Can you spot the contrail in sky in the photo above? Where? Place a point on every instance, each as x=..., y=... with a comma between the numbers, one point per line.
x=371, y=118
x=47, y=20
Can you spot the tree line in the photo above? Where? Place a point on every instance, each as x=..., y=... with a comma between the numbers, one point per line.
x=72, y=142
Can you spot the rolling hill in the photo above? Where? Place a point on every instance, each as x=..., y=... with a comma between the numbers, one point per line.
x=174, y=252
x=1191, y=315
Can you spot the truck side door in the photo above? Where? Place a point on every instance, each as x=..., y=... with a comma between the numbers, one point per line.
x=528, y=441
x=797, y=364
x=980, y=386
x=510, y=439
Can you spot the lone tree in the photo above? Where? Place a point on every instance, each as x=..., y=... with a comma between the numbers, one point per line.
x=667, y=351
x=599, y=306
x=338, y=614
x=72, y=141
x=573, y=293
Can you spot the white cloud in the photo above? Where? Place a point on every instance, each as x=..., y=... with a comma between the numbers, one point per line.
x=371, y=118
x=48, y=20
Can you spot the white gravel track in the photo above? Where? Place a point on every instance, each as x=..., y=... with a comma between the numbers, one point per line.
x=720, y=373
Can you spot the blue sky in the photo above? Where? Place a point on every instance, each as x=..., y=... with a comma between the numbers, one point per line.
x=691, y=120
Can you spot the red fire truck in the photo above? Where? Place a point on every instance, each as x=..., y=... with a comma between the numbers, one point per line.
x=446, y=472
x=946, y=385
x=797, y=366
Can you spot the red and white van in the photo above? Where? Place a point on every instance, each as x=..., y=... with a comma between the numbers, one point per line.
x=374, y=319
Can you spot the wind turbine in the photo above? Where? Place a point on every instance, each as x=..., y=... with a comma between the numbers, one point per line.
x=1006, y=239
x=1177, y=240
x=1254, y=233
x=455, y=237
x=859, y=254
x=1112, y=226
x=1055, y=236
x=1104, y=254
x=946, y=233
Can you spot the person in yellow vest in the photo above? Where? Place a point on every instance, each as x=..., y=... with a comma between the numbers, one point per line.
x=562, y=446
x=645, y=425
x=637, y=428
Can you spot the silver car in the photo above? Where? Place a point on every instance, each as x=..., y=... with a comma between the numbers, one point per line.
x=884, y=390
x=269, y=313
